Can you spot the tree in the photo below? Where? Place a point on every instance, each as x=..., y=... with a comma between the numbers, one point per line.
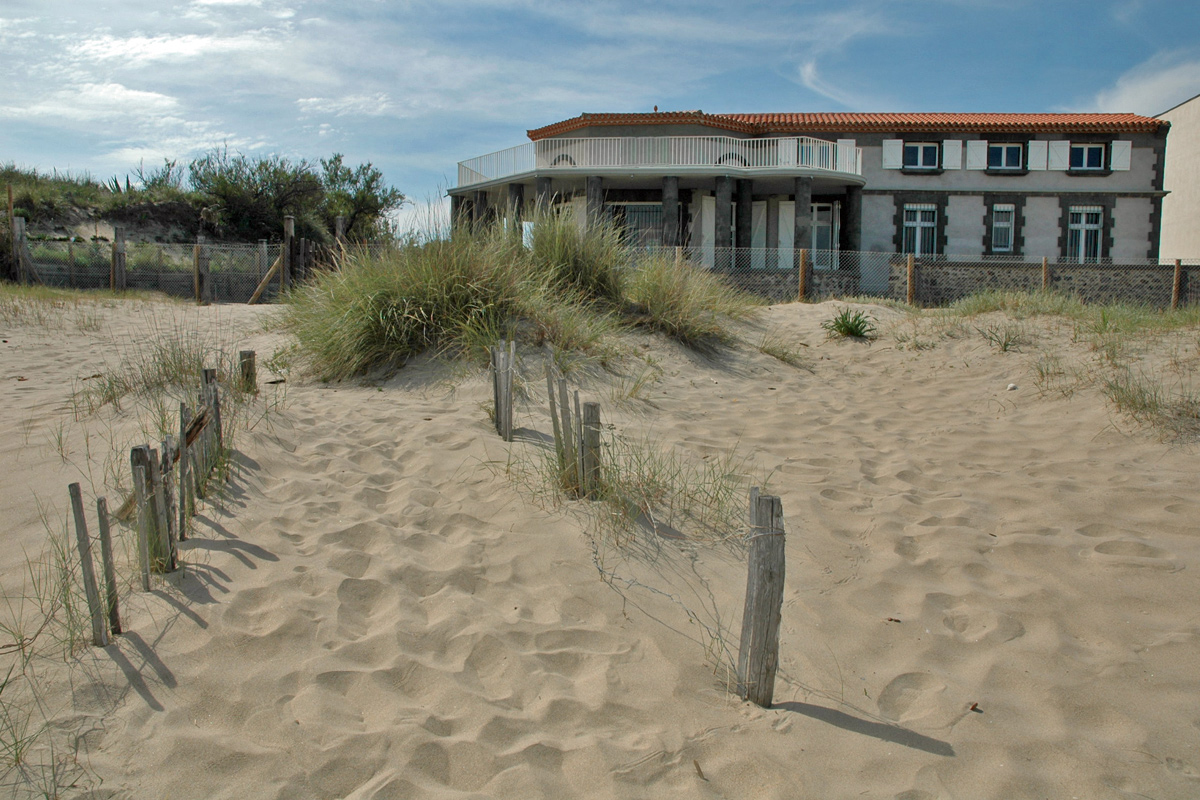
x=360, y=195
x=251, y=196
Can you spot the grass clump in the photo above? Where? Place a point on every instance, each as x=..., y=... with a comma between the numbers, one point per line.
x=850, y=324
x=457, y=294
x=1174, y=410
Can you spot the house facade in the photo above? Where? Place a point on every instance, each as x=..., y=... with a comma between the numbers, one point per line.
x=1181, y=207
x=1067, y=187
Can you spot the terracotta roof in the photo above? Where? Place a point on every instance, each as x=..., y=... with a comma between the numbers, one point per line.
x=837, y=122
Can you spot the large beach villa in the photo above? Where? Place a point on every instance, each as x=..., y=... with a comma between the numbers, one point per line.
x=1067, y=187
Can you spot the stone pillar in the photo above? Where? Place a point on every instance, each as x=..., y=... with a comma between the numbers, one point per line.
x=772, y=232
x=595, y=200
x=851, y=238
x=723, y=235
x=745, y=215
x=670, y=211
x=542, y=193
x=804, y=221
x=516, y=200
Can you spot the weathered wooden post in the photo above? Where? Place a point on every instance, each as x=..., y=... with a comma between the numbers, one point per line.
x=248, y=371
x=591, y=449
x=186, y=491
x=161, y=516
x=119, y=261
x=758, y=655
x=96, y=610
x=558, y=437
x=1177, y=284
x=12, y=231
x=203, y=262
x=143, y=513
x=503, y=358
x=214, y=402
x=912, y=279
x=568, y=435
x=110, y=570
x=197, y=284
x=579, y=490
x=1045, y=274
x=289, y=253
x=166, y=470
x=803, y=278
x=152, y=507
x=19, y=249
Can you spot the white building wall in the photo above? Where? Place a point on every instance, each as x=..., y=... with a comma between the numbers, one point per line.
x=1180, y=236
x=964, y=225
x=1040, y=227
x=878, y=223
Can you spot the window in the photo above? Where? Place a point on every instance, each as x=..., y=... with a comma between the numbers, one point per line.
x=921, y=155
x=920, y=229
x=1087, y=156
x=1085, y=224
x=1003, y=219
x=1005, y=156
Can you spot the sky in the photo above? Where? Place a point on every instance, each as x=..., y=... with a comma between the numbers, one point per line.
x=414, y=86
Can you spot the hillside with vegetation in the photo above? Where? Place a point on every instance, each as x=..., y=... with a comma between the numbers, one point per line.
x=224, y=195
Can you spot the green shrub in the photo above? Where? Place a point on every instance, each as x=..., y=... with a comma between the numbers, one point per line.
x=849, y=323
x=683, y=301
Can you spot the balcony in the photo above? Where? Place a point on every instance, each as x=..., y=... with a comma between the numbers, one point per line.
x=664, y=155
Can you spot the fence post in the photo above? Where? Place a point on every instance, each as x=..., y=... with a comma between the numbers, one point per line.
x=248, y=371
x=71, y=263
x=758, y=654
x=99, y=634
x=803, y=281
x=263, y=263
x=1177, y=284
x=196, y=268
x=19, y=250
x=558, y=438
x=591, y=449
x=158, y=492
x=289, y=245
x=143, y=460
x=119, y=281
x=1045, y=274
x=912, y=279
x=110, y=569
x=185, y=493
x=143, y=503
x=568, y=434
x=214, y=402
x=12, y=230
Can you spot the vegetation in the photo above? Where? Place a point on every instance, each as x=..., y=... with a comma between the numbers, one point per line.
x=850, y=323
x=457, y=295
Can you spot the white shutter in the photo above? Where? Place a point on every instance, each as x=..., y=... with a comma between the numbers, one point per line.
x=847, y=155
x=1058, y=155
x=952, y=154
x=1121, y=155
x=893, y=153
x=1037, y=154
x=977, y=154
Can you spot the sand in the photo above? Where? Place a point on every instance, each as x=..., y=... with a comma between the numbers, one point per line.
x=990, y=593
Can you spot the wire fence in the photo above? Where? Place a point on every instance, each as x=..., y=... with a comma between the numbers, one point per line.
x=234, y=271
x=782, y=275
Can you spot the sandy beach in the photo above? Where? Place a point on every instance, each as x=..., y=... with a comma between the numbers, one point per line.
x=991, y=592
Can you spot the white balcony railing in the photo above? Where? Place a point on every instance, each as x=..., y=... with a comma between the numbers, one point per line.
x=686, y=153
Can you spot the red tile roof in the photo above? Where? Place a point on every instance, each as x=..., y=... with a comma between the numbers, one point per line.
x=839, y=122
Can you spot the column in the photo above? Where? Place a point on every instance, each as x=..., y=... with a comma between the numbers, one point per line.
x=516, y=200
x=851, y=238
x=479, y=209
x=745, y=216
x=595, y=200
x=723, y=224
x=803, y=196
x=670, y=211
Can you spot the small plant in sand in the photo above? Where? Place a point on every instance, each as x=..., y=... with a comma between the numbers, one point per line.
x=778, y=345
x=1005, y=336
x=850, y=324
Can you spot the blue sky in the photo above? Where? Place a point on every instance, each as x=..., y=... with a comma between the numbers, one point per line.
x=414, y=86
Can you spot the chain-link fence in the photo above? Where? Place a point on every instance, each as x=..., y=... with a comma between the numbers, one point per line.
x=782, y=275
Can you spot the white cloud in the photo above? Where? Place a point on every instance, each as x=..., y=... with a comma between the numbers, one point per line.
x=376, y=105
x=92, y=102
x=141, y=50
x=1151, y=87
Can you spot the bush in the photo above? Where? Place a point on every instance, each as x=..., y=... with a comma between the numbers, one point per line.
x=850, y=323
x=683, y=301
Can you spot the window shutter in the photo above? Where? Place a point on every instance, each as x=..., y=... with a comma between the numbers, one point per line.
x=788, y=150
x=847, y=155
x=977, y=154
x=893, y=153
x=1037, y=154
x=952, y=154
x=1058, y=155
x=1121, y=155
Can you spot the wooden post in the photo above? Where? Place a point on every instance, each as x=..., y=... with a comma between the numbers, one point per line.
x=558, y=438
x=248, y=371
x=99, y=634
x=151, y=506
x=186, y=492
x=504, y=356
x=214, y=402
x=18, y=251
x=758, y=655
x=803, y=280
x=12, y=231
x=143, y=512
x=568, y=434
x=169, y=508
x=289, y=248
x=160, y=514
x=1045, y=274
x=912, y=280
x=71, y=262
x=196, y=271
x=591, y=448
x=202, y=262
x=119, y=262
x=1177, y=285
x=110, y=569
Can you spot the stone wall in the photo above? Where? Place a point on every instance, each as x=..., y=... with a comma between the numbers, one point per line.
x=783, y=285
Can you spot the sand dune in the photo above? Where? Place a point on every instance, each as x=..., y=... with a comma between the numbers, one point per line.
x=991, y=593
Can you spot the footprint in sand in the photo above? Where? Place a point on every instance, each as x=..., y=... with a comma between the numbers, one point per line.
x=357, y=600
x=1130, y=553
x=1183, y=768
x=915, y=696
